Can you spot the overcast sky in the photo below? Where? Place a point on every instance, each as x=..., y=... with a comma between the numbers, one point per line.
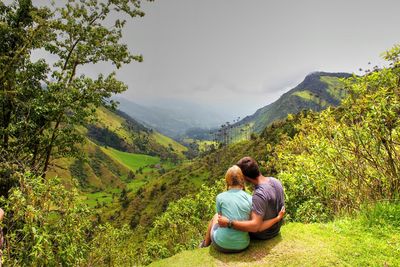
x=238, y=56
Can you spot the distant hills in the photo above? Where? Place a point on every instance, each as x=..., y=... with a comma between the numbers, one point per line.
x=318, y=91
x=171, y=119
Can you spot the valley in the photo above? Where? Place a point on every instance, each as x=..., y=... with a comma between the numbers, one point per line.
x=124, y=161
x=107, y=163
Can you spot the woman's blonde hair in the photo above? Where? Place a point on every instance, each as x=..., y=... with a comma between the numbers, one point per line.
x=234, y=177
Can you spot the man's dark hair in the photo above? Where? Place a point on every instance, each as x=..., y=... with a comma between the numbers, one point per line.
x=249, y=167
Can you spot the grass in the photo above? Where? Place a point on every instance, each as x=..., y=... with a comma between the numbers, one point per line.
x=103, y=197
x=135, y=184
x=112, y=121
x=346, y=242
x=130, y=160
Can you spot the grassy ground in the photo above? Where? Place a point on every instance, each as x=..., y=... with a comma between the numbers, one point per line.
x=92, y=199
x=130, y=160
x=341, y=243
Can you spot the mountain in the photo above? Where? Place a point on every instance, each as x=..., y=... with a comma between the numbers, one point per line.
x=173, y=118
x=318, y=91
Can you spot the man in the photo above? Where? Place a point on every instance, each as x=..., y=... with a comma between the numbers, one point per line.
x=267, y=203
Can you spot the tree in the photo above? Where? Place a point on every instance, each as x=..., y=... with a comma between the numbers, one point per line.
x=123, y=198
x=131, y=175
x=43, y=104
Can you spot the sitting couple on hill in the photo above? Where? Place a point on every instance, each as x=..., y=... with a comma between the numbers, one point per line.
x=241, y=216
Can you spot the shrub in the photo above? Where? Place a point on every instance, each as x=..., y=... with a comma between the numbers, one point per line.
x=182, y=226
x=45, y=224
x=112, y=247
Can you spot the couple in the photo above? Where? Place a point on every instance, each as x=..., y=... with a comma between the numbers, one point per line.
x=239, y=213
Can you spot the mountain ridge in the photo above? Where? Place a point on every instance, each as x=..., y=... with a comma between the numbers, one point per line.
x=317, y=91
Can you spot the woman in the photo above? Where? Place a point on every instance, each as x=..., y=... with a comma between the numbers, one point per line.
x=234, y=204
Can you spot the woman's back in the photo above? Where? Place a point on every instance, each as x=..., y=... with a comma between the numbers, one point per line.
x=236, y=205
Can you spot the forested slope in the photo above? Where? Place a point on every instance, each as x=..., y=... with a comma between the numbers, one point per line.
x=99, y=167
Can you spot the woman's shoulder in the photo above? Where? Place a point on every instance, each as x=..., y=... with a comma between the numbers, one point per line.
x=221, y=195
x=245, y=193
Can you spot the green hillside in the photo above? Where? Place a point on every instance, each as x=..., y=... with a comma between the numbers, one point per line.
x=186, y=179
x=318, y=91
x=120, y=131
x=117, y=148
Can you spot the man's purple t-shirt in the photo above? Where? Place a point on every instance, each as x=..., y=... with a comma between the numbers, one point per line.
x=268, y=200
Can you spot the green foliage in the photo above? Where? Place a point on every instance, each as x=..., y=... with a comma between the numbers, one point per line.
x=382, y=215
x=107, y=138
x=112, y=247
x=78, y=172
x=181, y=226
x=123, y=198
x=131, y=176
x=45, y=224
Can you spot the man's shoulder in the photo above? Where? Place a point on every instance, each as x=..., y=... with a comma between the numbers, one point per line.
x=260, y=192
x=265, y=189
x=274, y=179
x=275, y=182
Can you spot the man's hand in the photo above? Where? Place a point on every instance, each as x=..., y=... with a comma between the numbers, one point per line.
x=222, y=221
x=282, y=213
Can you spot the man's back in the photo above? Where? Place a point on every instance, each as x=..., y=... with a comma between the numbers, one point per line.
x=268, y=199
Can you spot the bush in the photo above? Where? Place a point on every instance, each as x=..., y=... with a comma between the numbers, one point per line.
x=45, y=224
x=182, y=226
x=382, y=213
x=112, y=247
